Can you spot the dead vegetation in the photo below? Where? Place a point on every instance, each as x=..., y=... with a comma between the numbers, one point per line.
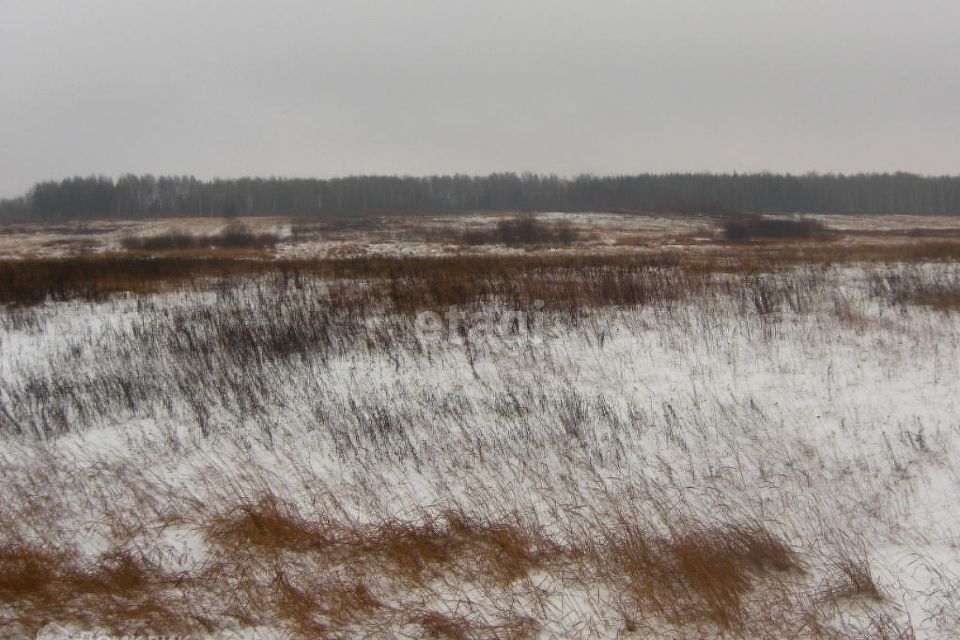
x=523, y=230
x=323, y=578
x=618, y=509
x=696, y=574
x=413, y=283
x=744, y=228
x=234, y=235
x=118, y=590
x=916, y=287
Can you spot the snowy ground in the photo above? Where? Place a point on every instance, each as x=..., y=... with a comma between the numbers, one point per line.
x=834, y=425
x=432, y=235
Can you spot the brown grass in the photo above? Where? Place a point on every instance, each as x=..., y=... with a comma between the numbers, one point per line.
x=117, y=590
x=30, y=282
x=410, y=284
x=269, y=525
x=693, y=575
x=444, y=626
x=940, y=300
x=316, y=577
x=852, y=579
x=415, y=551
x=696, y=574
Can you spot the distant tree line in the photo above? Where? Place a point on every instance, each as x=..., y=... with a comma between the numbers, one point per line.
x=149, y=196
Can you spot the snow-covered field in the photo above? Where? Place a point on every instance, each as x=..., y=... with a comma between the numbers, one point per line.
x=772, y=457
x=429, y=235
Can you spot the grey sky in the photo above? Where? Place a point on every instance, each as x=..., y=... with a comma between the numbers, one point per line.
x=333, y=87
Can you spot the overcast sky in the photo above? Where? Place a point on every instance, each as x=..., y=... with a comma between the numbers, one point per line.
x=333, y=87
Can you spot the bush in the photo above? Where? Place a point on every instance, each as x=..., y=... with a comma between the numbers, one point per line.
x=240, y=236
x=736, y=231
x=743, y=229
x=235, y=235
x=162, y=242
x=524, y=229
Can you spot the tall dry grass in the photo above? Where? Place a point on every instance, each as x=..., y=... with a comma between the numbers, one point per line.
x=271, y=445
x=267, y=563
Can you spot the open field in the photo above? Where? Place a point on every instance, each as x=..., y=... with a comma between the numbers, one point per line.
x=424, y=427
x=442, y=235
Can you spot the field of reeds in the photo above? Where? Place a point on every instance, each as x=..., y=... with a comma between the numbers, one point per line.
x=569, y=438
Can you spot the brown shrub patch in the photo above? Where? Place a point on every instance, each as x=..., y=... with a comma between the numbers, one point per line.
x=233, y=236
x=118, y=591
x=696, y=573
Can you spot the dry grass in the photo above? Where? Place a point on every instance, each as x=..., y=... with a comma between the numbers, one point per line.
x=316, y=577
x=948, y=300
x=696, y=574
x=320, y=578
x=118, y=590
x=269, y=525
x=28, y=282
x=853, y=579
x=916, y=287
x=412, y=284
x=303, y=563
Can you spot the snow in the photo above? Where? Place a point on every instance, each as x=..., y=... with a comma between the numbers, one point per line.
x=823, y=429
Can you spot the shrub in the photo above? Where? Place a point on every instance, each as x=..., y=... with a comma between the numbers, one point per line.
x=524, y=229
x=757, y=226
x=235, y=235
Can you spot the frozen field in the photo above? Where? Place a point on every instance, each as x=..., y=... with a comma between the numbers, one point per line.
x=437, y=235
x=586, y=449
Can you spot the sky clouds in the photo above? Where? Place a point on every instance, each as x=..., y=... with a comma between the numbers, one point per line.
x=423, y=86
